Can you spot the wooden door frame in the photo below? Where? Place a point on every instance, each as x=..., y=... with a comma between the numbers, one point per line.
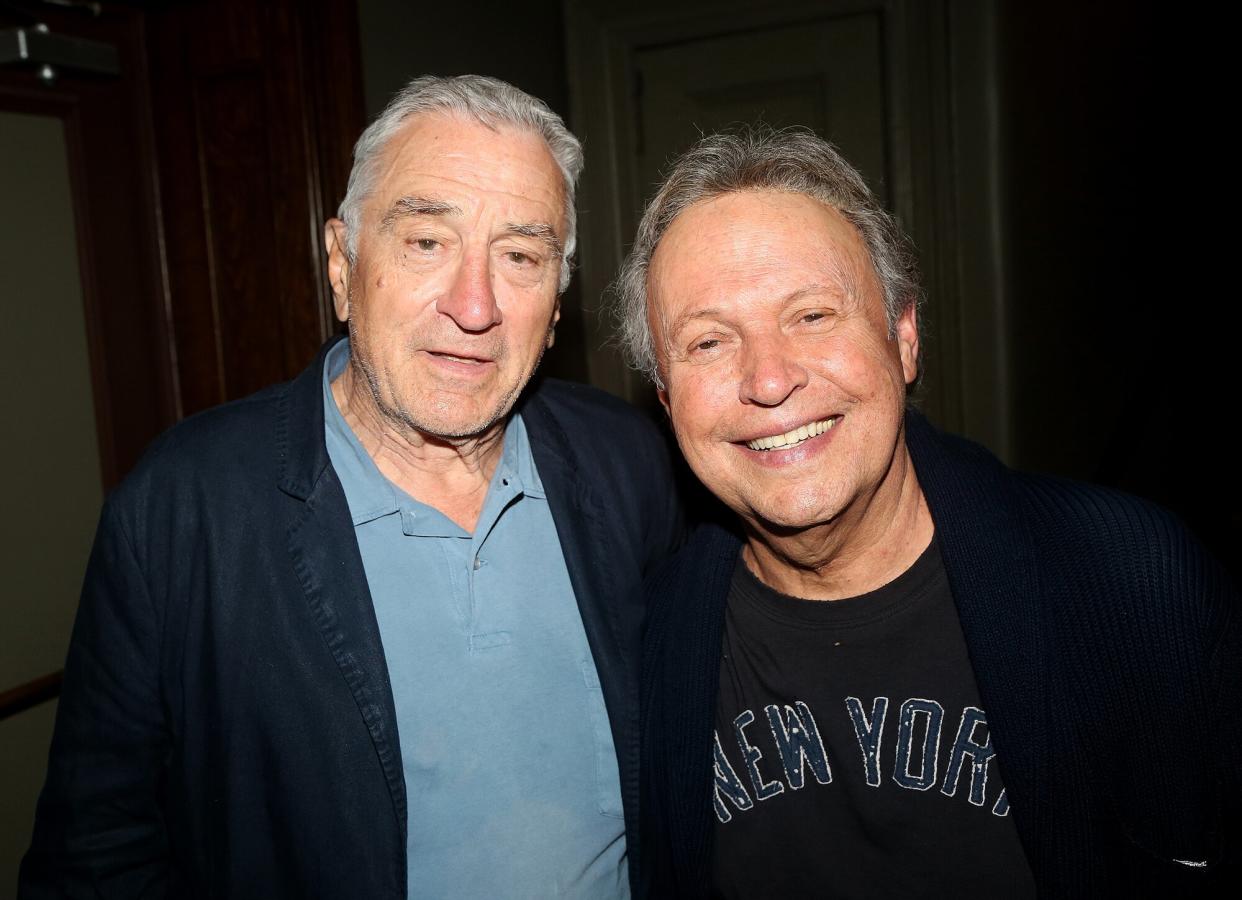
x=941, y=175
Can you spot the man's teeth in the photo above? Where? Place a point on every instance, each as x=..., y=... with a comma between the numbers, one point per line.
x=791, y=438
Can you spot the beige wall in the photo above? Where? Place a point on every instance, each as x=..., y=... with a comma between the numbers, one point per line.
x=49, y=458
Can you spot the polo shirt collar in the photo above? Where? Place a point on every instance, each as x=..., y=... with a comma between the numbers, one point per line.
x=372, y=495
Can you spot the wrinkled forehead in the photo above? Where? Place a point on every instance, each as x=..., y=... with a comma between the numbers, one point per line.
x=455, y=154
x=747, y=245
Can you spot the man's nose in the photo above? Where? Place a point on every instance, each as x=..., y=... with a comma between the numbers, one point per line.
x=470, y=300
x=770, y=372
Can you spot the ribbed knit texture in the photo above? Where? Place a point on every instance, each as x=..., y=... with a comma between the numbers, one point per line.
x=1107, y=649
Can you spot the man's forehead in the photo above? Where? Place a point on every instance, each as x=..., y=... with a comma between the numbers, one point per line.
x=459, y=150
x=754, y=217
x=757, y=238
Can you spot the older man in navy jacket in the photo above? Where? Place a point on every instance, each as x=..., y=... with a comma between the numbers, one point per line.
x=374, y=633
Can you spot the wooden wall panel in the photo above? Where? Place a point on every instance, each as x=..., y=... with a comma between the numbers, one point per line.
x=254, y=138
x=231, y=118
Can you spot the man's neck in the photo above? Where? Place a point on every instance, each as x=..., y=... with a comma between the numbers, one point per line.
x=865, y=547
x=449, y=474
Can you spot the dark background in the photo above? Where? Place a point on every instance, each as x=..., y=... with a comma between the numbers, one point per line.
x=225, y=143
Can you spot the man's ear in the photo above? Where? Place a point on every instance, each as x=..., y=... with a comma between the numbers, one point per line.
x=338, y=266
x=556, y=317
x=908, y=343
x=656, y=327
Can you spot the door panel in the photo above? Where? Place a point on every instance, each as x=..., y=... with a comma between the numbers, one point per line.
x=826, y=76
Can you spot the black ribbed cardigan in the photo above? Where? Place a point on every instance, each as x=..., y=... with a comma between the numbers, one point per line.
x=1107, y=646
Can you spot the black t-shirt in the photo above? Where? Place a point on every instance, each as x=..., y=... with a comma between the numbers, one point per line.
x=852, y=757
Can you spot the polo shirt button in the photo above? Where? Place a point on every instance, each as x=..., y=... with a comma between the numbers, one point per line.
x=478, y=563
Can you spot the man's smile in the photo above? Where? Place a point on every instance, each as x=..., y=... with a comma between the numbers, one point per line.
x=794, y=436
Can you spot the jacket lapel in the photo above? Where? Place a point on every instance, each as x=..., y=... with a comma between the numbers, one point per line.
x=328, y=564
x=699, y=595
x=613, y=626
x=581, y=520
x=989, y=557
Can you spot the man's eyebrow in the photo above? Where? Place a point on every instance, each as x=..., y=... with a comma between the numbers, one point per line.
x=796, y=295
x=687, y=317
x=714, y=312
x=416, y=206
x=539, y=230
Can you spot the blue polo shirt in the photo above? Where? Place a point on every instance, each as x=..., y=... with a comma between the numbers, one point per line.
x=509, y=762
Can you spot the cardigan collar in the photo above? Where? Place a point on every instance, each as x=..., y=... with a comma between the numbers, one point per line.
x=989, y=556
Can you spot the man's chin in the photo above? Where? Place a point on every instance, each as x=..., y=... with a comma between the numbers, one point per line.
x=467, y=422
x=787, y=520
x=461, y=429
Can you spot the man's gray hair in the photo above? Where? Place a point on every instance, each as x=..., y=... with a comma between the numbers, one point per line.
x=758, y=158
x=489, y=101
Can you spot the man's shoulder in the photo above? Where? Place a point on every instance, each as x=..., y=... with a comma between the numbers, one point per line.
x=703, y=565
x=1101, y=525
x=237, y=439
x=610, y=451
x=574, y=403
x=1087, y=541
x=590, y=422
x=1078, y=517
x=1099, y=548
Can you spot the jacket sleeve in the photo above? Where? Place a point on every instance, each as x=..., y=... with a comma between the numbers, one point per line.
x=99, y=828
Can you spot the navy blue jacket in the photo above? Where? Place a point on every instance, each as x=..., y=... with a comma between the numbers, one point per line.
x=226, y=727
x=1108, y=652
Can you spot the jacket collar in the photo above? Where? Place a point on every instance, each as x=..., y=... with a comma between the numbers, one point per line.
x=989, y=557
x=588, y=541
x=324, y=552
x=299, y=429
x=582, y=524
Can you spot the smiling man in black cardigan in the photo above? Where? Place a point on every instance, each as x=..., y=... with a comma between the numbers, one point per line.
x=901, y=669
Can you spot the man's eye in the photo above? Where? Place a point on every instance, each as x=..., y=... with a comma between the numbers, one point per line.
x=707, y=344
x=518, y=258
x=426, y=244
x=813, y=317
